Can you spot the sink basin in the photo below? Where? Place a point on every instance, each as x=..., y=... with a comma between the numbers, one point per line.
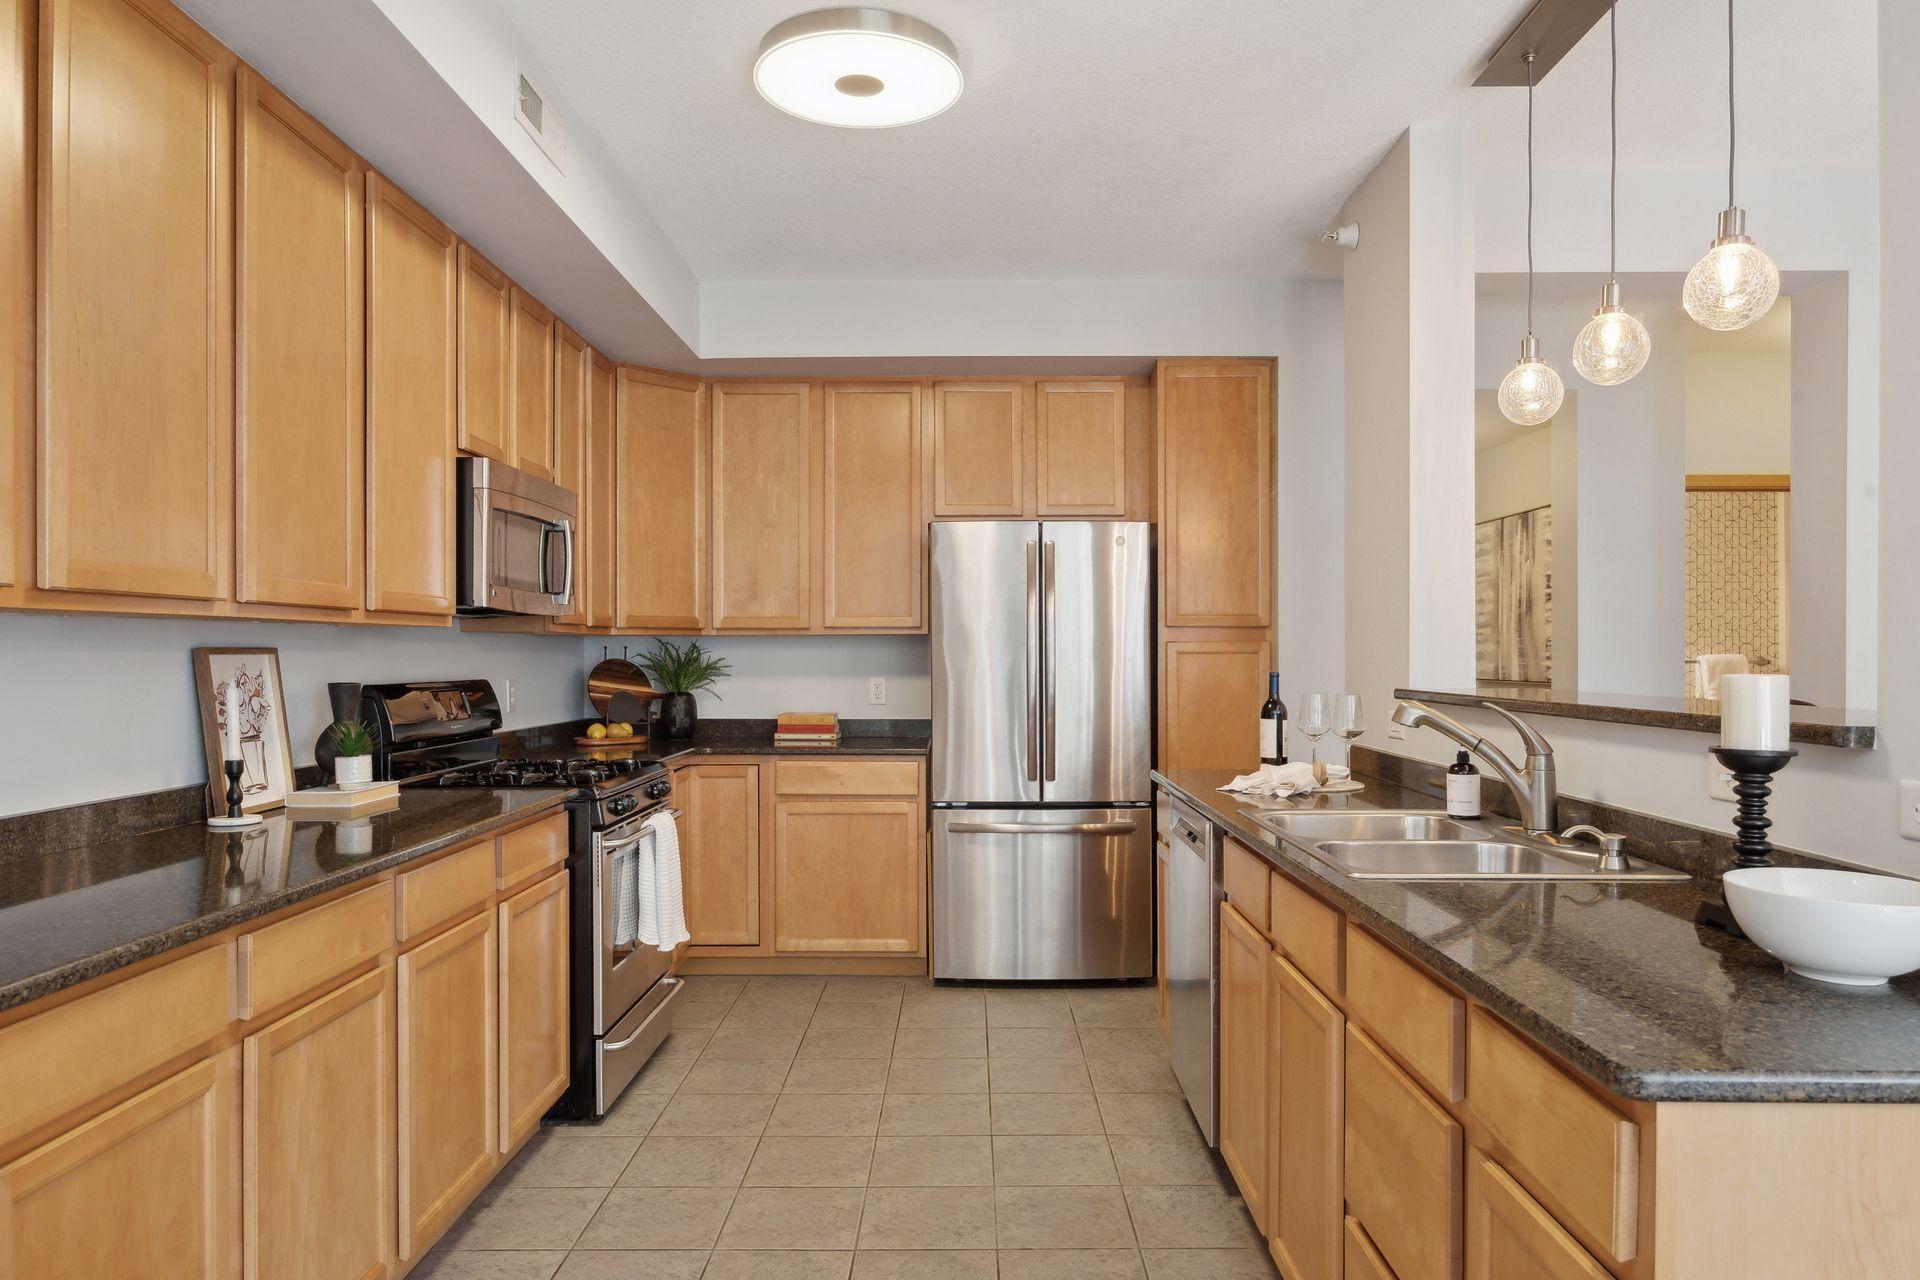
x=1472, y=859
x=1329, y=825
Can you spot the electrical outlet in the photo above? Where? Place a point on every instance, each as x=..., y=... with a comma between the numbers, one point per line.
x=877, y=690
x=1910, y=810
x=1719, y=781
x=513, y=696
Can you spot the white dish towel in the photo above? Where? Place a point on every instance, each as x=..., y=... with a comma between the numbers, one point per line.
x=661, y=900
x=624, y=883
x=1278, y=781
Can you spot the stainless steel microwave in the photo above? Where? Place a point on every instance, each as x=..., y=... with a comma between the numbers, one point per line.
x=516, y=541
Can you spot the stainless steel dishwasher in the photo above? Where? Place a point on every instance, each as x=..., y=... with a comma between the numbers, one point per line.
x=1193, y=909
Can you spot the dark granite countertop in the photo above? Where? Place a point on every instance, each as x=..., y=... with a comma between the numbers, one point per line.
x=719, y=737
x=1617, y=979
x=1816, y=726
x=74, y=914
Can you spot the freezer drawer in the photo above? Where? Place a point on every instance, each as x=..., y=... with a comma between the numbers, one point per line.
x=1042, y=894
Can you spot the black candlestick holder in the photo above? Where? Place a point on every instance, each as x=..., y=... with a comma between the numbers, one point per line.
x=233, y=816
x=1752, y=783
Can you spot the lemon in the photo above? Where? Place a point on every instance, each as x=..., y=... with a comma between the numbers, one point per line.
x=596, y=731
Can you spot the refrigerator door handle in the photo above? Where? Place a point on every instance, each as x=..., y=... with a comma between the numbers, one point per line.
x=1033, y=660
x=1047, y=567
x=1043, y=828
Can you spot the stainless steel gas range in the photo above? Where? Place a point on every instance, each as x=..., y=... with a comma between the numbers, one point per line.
x=444, y=734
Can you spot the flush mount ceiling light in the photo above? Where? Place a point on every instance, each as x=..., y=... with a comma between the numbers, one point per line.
x=1531, y=392
x=1614, y=346
x=858, y=68
x=1735, y=284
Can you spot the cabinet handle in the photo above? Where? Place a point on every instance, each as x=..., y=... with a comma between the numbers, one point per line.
x=1047, y=566
x=1033, y=660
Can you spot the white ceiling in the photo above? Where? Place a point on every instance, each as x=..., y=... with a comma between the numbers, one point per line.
x=1168, y=139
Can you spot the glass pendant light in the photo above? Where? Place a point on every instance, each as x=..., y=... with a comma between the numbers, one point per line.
x=1735, y=284
x=1531, y=392
x=1614, y=346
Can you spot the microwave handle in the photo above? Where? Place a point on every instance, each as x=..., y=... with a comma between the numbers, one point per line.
x=565, y=594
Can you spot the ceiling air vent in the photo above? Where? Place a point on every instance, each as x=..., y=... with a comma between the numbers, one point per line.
x=537, y=116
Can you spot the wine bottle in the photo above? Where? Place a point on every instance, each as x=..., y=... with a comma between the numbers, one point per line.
x=1273, y=724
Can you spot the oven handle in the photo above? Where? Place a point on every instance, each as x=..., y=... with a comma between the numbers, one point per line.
x=610, y=846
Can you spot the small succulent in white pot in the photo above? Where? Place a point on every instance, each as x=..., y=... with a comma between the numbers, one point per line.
x=353, y=753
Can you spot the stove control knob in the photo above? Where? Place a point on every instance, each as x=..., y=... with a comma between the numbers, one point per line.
x=623, y=806
x=659, y=790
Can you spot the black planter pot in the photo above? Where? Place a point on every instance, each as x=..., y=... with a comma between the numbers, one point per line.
x=678, y=718
x=344, y=697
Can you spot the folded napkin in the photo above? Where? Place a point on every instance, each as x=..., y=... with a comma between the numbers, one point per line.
x=1278, y=781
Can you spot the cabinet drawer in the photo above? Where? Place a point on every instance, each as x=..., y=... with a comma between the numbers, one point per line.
x=1403, y=1166
x=455, y=886
x=1581, y=1154
x=1407, y=1011
x=309, y=950
x=1244, y=876
x=1363, y=1260
x=847, y=777
x=66, y=1058
x=1308, y=931
x=532, y=849
x=1509, y=1234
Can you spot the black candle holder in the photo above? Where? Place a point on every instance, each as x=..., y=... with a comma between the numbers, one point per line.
x=233, y=816
x=1752, y=784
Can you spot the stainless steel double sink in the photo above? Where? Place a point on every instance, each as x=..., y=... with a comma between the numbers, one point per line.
x=1422, y=844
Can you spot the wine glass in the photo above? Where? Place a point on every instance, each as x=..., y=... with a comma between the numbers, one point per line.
x=1315, y=720
x=1348, y=722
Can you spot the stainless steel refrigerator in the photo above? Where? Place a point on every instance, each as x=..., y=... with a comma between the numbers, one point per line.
x=1042, y=739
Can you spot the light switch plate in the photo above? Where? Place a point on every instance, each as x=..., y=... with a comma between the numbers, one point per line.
x=1397, y=732
x=877, y=690
x=513, y=696
x=1719, y=782
x=1910, y=810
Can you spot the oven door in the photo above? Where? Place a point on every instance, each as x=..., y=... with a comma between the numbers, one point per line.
x=516, y=542
x=625, y=973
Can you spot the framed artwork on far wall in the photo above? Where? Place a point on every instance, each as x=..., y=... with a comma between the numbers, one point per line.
x=262, y=708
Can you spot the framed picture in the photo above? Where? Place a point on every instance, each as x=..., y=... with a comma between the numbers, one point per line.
x=262, y=712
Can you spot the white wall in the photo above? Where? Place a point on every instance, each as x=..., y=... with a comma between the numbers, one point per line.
x=1740, y=412
x=1817, y=615
x=772, y=674
x=1514, y=475
x=1311, y=568
x=102, y=707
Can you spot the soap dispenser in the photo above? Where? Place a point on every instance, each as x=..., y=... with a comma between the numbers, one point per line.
x=1463, y=788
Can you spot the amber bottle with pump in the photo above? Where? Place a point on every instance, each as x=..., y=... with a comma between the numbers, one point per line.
x=1463, y=788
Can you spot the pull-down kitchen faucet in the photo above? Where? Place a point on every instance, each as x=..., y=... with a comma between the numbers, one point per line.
x=1537, y=793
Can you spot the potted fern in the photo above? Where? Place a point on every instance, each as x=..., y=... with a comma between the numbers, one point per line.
x=681, y=671
x=352, y=744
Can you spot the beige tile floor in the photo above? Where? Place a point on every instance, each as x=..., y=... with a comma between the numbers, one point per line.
x=876, y=1129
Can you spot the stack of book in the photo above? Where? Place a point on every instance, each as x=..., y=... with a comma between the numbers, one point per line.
x=335, y=801
x=807, y=729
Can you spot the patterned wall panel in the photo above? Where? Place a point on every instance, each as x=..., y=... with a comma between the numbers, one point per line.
x=1736, y=576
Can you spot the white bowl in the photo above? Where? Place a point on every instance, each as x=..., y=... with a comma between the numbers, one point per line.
x=1836, y=926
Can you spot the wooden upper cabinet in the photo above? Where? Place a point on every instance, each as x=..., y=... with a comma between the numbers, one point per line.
x=533, y=337
x=875, y=552
x=766, y=462
x=412, y=288
x=1211, y=688
x=722, y=852
x=299, y=430
x=1215, y=426
x=600, y=500
x=979, y=448
x=572, y=367
x=1080, y=448
x=149, y=1189
x=486, y=358
x=136, y=324
x=661, y=466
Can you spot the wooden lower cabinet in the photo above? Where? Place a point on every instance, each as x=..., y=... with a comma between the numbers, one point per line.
x=534, y=1050
x=1363, y=1261
x=1245, y=1057
x=150, y=1188
x=1403, y=1154
x=318, y=1130
x=1510, y=1237
x=449, y=1084
x=1306, y=1117
x=848, y=875
x=720, y=852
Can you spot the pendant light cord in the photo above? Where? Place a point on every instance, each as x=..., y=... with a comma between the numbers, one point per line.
x=1613, y=140
x=1731, y=135
x=1530, y=193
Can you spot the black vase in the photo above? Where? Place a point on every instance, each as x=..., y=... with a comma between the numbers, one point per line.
x=345, y=698
x=678, y=718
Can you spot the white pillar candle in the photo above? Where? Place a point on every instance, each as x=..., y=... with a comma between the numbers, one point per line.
x=1753, y=713
x=230, y=736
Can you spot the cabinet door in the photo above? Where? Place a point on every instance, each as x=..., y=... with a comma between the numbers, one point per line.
x=721, y=853
x=979, y=448
x=1403, y=1172
x=1216, y=495
x=412, y=309
x=136, y=323
x=1244, y=1052
x=318, y=1131
x=1363, y=1261
x=449, y=1086
x=301, y=392
x=149, y=1189
x=1080, y=448
x=533, y=365
x=1306, y=1120
x=875, y=553
x=572, y=390
x=1510, y=1237
x=486, y=358
x=601, y=507
x=534, y=1050
x=848, y=875
x=662, y=467
x=765, y=473
x=1211, y=688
